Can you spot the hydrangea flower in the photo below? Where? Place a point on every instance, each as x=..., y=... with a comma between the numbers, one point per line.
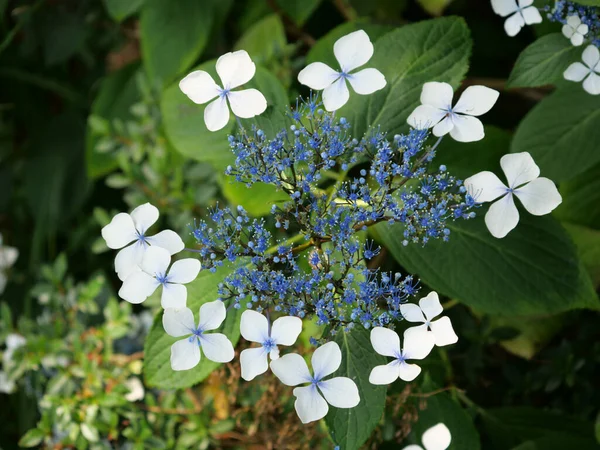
x=575, y=30
x=125, y=228
x=185, y=353
x=436, y=111
x=8, y=256
x=312, y=400
x=429, y=308
x=418, y=344
x=435, y=438
x=234, y=69
x=521, y=13
x=13, y=342
x=538, y=195
x=136, y=390
x=589, y=72
x=351, y=51
x=256, y=328
x=155, y=272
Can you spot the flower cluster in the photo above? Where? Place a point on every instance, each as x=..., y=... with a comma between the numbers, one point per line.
x=578, y=21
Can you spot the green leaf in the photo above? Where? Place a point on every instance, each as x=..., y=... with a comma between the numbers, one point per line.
x=173, y=35
x=534, y=270
x=588, y=2
x=434, y=7
x=543, y=62
x=184, y=120
x=157, y=348
x=299, y=10
x=581, y=199
x=588, y=245
x=122, y=9
x=409, y=56
x=561, y=133
x=350, y=428
x=264, y=40
x=32, y=438
x=257, y=199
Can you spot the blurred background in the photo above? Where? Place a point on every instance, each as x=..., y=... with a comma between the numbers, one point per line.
x=92, y=123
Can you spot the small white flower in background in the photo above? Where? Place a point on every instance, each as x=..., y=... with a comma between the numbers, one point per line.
x=255, y=327
x=539, y=196
x=234, y=69
x=341, y=392
x=127, y=228
x=436, y=111
x=435, y=438
x=521, y=13
x=185, y=353
x=418, y=344
x=136, y=390
x=575, y=30
x=588, y=72
x=13, y=342
x=8, y=256
x=155, y=272
x=430, y=307
x=351, y=51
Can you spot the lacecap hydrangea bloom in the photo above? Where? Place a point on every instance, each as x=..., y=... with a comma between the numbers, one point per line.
x=518, y=13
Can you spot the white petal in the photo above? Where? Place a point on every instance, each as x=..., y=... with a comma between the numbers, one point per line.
x=577, y=39
x=431, y=305
x=254, y=326
x=129, y=259
x=531, y=15
x=413, y=447
x=144, y=216
x=386, y=342
x=513, y=24
x=436, y=94
x=353, y=50
x=156, y=261
x=173, y=296
x=591, y=56
x=326, y=359
x=411, y=313
x=367, y=81
x=167, y=239
x=217, y=347
x=178, y=322
x=504, y=7
x=212, y=315
x=336, y=95
x=136, y=389
x=120, y=231
x=568, y=31
x=444, y=127
x=573, y=21
x=137, y=287
x=576, y=72
x=291, y=369
x=235, y=69
x=408, y=372
x=592, y=84
x=199, y=86
x=418, y=343
x=502, y=217
x=310, y=406
x=583, y=29
x=340, y=392
x=8, y=256
x=216, y=114
x=285, y=330
x=385, y=374
x=466, y=128
x=519, y=168
x=437, y=437
x=14, y=341
x=443, y=332
x=184, y=271
x=253, y=362
x=425, y=116
x=539, y=197
x=247, y=103
x=476, y=100
x=7, y=386
x=317, y=76
x=485, y=187
x=185, y=354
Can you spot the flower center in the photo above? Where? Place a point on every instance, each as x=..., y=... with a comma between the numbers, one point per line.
x=162, y=278
x=224, y=92
x=269, y=345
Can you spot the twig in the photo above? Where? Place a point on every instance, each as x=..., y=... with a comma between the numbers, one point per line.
x=345, y=10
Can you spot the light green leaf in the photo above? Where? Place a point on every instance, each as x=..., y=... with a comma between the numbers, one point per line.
x=257, y=199
x=588, y=2
x=299, y=10
x=350, y=428
x=32, y=438
x=434, y=7
x=588, y=245
x=122, y=9
x=562, y=133
x=264, y=40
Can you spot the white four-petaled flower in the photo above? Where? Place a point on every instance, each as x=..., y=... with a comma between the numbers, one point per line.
x=155, y=272
x=8, y=256
x=341, y=392
x=234, y=69
x=435, y=438
x=255, y=327
x=418, y=344
x=13, y=342
x=521, y=13
x=127, y=228
x=436, y=111
x=588, y=72
x=351, y=51
x=575, y=30
x=429, y=308
x=538, y=195
x=185, y=353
